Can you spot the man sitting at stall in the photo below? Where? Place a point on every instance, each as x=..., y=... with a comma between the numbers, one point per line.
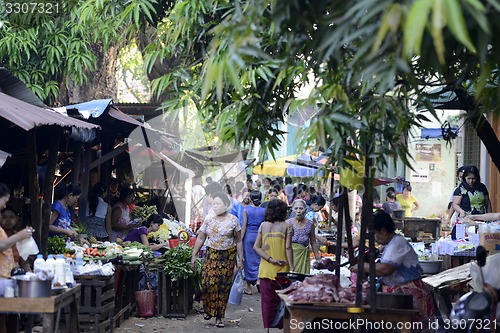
x=398, y=269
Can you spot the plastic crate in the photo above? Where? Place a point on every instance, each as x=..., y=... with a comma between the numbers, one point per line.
x=453, y=249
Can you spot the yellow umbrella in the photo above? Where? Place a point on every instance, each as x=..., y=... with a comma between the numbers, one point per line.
x=274, y=167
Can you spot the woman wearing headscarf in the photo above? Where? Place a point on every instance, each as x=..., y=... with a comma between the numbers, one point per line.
x=221, y=233
x=253, y=216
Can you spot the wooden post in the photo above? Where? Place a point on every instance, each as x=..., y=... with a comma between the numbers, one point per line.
x=34, y=186
x=85, y=181
x=48, y=187
x=77, y=158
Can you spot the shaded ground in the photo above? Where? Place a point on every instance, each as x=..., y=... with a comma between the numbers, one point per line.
x=244, y=318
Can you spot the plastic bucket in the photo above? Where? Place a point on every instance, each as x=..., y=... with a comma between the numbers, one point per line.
x=146, y=300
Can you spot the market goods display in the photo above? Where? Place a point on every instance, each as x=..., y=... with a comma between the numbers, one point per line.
x=143, y=213
x=322, y=288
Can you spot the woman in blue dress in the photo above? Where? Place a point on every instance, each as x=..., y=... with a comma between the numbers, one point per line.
x=253, y=216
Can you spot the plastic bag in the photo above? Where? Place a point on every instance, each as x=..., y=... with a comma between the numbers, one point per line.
x=236, y=293
x=27, y=247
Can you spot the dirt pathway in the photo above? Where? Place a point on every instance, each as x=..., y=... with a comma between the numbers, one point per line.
x=244, y=318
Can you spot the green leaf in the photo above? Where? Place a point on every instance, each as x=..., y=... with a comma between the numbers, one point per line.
x=457, y=25
x=438, y=23
x=416, y=21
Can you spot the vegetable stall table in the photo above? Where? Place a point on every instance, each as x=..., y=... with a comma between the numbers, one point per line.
x=298, y=316
x=49, y=308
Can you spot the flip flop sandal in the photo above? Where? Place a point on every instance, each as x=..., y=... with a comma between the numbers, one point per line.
x=207, y=317
x=220, y=324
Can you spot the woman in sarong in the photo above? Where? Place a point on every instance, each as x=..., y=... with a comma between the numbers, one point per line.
x=303, y=236
x=398, y=268
x=274, y=246
x=222, y=233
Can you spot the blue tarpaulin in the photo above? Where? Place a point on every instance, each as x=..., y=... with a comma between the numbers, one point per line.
x=434, y=133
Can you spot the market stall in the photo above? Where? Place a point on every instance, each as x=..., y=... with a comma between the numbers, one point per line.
x=50, y=308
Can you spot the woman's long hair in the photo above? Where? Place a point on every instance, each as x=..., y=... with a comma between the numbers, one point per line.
x=97, y=192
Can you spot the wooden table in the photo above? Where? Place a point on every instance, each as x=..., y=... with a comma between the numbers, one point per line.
x=49, y=307
x=298, y=315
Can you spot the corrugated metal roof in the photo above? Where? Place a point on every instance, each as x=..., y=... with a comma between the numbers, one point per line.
x=28, y=116
x=12, y=86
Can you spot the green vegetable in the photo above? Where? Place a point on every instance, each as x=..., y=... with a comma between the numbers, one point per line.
x=56, y=245
x=143, y=213
x=178, y=265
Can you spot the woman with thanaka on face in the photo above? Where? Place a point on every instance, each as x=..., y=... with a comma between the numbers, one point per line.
x=274, y=245
x=221, y=233
x=303, y=236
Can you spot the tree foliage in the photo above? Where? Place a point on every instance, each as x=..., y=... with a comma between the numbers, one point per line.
x=242, y=63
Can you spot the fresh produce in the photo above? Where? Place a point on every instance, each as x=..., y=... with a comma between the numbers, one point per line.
x=94, y=252
x=143, y=213
x=56, y=245
x=178, y=265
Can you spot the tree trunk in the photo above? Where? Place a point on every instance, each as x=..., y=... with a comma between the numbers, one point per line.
x=483, y=127
x=101, y=83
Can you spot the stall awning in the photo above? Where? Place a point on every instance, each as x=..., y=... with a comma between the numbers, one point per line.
x=12, y=86
x=28, y=116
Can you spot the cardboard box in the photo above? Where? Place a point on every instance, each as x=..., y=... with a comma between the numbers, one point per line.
x=489, y=240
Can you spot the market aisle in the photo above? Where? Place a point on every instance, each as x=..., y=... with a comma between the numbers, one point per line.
x=244, y=318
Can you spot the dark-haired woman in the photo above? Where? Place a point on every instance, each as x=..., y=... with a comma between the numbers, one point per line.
x=7, y=262
x=253, y=216
x=471, y=196
x=99, y=214
x=60, y=217
x=120, y=215
x=221, y=233
x=9, y=223
x=274, y=246
x=140, y=234
x=398, y=268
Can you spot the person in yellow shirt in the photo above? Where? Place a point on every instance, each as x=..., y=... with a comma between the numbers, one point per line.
x=407, y=201
x=274, y=245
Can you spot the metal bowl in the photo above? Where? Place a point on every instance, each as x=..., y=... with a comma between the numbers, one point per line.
x=33, y=288
x=431, y=266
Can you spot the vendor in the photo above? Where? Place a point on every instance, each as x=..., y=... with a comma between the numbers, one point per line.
x=398, y=268
x=7, y=262
x=60, y=216
x=140, y=234
x=407, y=201
x=120, y=215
